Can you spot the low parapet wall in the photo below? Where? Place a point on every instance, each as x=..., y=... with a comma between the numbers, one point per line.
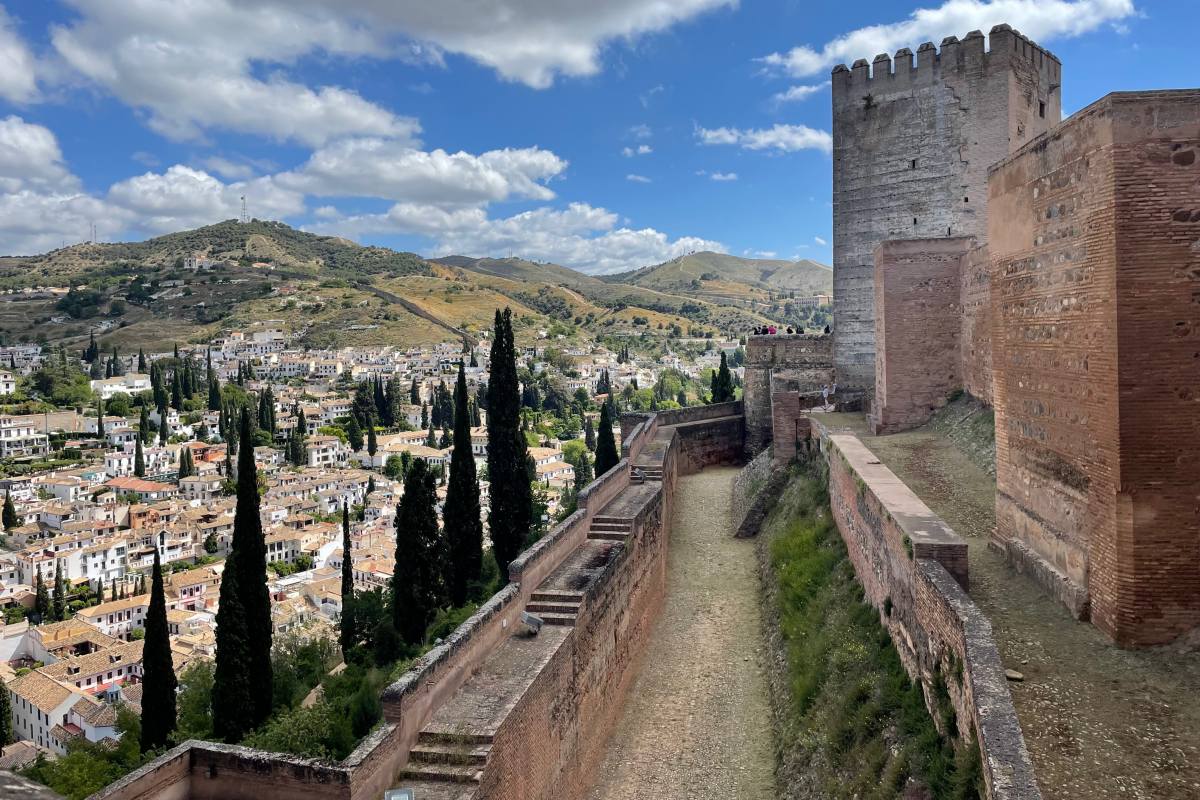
x=913, y=568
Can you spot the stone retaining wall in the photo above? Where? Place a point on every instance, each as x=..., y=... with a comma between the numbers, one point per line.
x=913, y=568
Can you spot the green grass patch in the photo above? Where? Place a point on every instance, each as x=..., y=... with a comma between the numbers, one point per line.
x=854, y=721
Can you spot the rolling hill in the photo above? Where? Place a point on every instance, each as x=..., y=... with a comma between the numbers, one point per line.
x=329, y=291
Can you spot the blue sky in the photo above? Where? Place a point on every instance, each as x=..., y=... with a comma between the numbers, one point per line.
x=603, y=136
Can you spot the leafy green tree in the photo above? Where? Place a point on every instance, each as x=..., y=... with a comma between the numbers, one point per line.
x=210, y=543
x=348, y=636
x=242, y=686
x=461, y=512
x=417, y=576
x=10, y=512
x=139, y=460
x=195, y=701
x=606, y=446
x=158, y=674
x=511, y=494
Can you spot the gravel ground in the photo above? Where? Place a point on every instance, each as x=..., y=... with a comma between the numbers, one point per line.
x=1100, y=722
x=696, y=722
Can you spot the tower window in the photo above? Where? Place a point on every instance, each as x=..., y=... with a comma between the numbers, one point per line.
x=1042, y=108
x=912, y=164
x=966, y=199
x=914, y=221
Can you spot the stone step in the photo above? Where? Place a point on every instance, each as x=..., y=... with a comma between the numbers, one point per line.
x=552, y=608
x=448, y=773
x=556, y=596
x=443, y=737
x=612, y=526
x=558, y=619
x=449, y=753
x=609, y=536
x=604, y=519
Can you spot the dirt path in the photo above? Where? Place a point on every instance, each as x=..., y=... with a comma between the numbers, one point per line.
x=1100, y=722
x=696, y=722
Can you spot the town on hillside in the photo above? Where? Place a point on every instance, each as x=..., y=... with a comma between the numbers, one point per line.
x=120, y=467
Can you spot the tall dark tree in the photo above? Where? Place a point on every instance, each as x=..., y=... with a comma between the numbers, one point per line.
x=214, y=391
x=59, y=609
x=248, y=648
x=187, y=466
x=606, y=446
x=100, y=418
x=144, y=433
x=41, y=597
x=417, y=575
x=589, y=434
x=266, y=410
x=354, y=434
x=377, y=395
x=511, y=495
x=176, y=391
x=164, y=427
x=141, y=367
x=372, y=442
x=10, y=512
x=461, y=514
x=722, y=383
x=139, y=460
x=431, y=437
x=158, y=674
x=348, y=633
x=414, y=392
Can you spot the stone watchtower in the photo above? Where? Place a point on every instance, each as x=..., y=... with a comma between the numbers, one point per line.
x=912, y=144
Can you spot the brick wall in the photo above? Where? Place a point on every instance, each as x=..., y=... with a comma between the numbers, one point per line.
x=807, y=360
x=1094, y=238
x=913, y=569
x=918, y=329
x=975, y=337
x=912, y=143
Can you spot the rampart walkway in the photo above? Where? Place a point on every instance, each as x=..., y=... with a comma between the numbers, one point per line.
x=696, y=722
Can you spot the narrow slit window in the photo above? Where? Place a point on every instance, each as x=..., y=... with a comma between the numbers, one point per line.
x=1042, y=108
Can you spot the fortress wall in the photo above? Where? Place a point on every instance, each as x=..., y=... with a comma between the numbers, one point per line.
x=913, y=569
x=912, y=143
x=918, y=330
x=975, y=338
x=809, y=362
x=1094, y=239
x=554, y=738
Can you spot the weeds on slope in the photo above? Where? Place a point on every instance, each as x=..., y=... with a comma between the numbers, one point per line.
x=851, y=723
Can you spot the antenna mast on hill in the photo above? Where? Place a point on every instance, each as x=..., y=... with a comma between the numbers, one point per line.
x=244, y=218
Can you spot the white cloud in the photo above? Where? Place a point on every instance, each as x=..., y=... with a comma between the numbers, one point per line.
x=18, y=83
x=820, y=241
x=30, y=158
x=390, y=169
x=637, y=178
x=183, y=197
x=640, y=150
x=196, y=66
x=580, y=236
x=641, y=131
x=797, y=93
x=326, y=212
x=1041, y=20
x=231, y=170
x=530, y=41
x=723, y=176
x=788, y=138
x=647, y=96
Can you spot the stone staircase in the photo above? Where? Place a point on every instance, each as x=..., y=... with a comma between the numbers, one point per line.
x=447, y=757
x=650, y=473
x=555, y=607
x=611, y=529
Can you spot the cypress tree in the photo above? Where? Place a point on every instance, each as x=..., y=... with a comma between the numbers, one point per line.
x=113, y=594
x=414, y=393
x=214, y=391
x=10, y=512
x=6, y=718
x=354, y=434
x=606, y=445
x=41, y=602
x=141, y=360
x=99, y=417
x=158, y=674
x=424, y=415
x=583, y=472
x=370, y=484
x=416, y=578
x=60, y=593
x=589, y=434
x=187, y=467
x=460, y=514
x=176, y=391
x=139, y=460
x=379, y=398
x=349, y=636
x=722, y=383
x=445, y=441
x=164, y=427
x=372, y=444
x=249, y=646
x=100, y=591
x=144, y=425
x=511, y=494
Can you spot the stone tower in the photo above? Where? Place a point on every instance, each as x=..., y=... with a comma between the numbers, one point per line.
x=912, y=144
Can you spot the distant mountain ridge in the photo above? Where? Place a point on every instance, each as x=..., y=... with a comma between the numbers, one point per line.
x=718, y=270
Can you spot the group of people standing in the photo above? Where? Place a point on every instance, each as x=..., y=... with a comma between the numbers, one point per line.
x=771, y=330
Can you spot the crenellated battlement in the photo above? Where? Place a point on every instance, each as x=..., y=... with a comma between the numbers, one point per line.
x=1000, y=49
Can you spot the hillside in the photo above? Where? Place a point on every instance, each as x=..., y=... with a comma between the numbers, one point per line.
x=727, y=277
x=328, y=291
